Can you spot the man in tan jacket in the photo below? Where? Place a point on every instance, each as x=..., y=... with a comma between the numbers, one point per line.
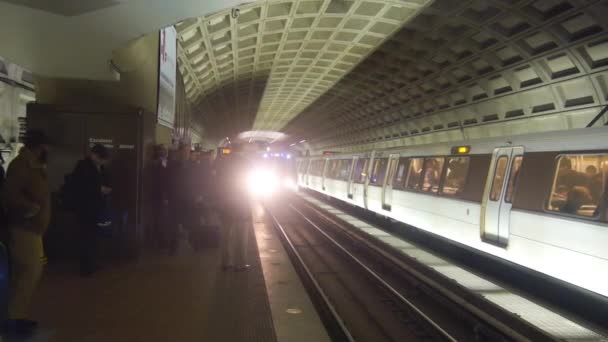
x=27, y=199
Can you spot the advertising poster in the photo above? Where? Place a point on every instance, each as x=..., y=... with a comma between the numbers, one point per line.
x=167, y=76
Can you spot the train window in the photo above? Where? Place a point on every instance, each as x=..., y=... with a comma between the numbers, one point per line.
x=316, y=169
x=499, y=177
x=432, y=174
x=304, y=166
x=322, y=164
x=579, y=184
x=392, y=169
x=399, y=177
x=339, y=169
x=414, y=172
x=455, y=175
x=332, y=169
x=344, y=170
x=378, y=171
x=361, y=171
x=313, y=168
x=513, y=177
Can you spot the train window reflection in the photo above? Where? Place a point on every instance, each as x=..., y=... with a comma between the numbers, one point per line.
x=378, y=171
x=414, y=173
x=360, y=171
x=344, y=169
x=579, y=183
x=432, y=174
x=399, y=177
x=338, y=169
x=513, y=177
x=456, y=175
x=499, y=177
x=331, y=169
x=316, y=167
x=392, y=168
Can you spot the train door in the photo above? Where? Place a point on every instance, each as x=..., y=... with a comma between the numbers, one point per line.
x=351, y=178
x=307, y=164
x=367, y=172
x=496, y=203
x=387, y=191
x=325, y=167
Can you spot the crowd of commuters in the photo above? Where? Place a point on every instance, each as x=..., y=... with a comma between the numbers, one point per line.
x=186, y=191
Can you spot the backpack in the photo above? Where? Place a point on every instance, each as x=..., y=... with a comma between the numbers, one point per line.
x=68, y=193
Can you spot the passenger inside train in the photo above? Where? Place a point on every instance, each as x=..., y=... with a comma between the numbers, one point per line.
x=578, y=184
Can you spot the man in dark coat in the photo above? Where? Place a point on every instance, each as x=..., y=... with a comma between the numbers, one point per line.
x=158, y=197
x=179, y=196
x=89, y=184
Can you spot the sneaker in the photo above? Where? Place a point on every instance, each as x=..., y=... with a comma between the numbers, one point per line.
x=20, y=327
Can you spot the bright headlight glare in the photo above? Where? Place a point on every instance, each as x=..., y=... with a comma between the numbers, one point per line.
x=289, y=183
x=262, y=182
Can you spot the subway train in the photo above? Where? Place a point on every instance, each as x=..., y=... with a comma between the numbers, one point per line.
x=537, y=200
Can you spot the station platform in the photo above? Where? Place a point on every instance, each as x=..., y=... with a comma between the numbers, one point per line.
x=186, y=297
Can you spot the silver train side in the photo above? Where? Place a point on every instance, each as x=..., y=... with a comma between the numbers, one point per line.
x=511, y=203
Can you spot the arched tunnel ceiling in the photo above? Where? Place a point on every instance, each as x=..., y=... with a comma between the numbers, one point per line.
x=467, y=69
x=458, y=69
x=267, y=65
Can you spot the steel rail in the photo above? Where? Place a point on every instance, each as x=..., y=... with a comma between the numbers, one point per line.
x=391, y=289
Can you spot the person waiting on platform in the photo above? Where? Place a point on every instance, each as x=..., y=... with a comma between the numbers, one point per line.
x=90, y=187
x=158, y=197
x=26, y=197
x=235, y=207
x=179, y=196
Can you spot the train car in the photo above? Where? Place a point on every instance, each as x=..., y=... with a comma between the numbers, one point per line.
x=535, y=200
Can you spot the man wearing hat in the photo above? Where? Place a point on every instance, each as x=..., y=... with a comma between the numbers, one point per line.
x=91, y=187
x=26, y=197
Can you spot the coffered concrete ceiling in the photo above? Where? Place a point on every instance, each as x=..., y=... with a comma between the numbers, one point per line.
x=266, y=63
x=470, y=69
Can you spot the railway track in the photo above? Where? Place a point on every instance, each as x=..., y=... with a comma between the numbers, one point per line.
x=365, y=295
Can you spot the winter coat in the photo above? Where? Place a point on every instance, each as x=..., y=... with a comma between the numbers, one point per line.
x=26, y=192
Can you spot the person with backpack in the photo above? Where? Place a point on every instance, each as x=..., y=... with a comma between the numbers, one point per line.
x=89, y=188
x=27, y=199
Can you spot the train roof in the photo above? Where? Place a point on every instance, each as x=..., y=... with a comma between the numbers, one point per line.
x=587, y=139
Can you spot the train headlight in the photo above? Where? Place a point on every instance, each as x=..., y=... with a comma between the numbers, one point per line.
x=262, y=182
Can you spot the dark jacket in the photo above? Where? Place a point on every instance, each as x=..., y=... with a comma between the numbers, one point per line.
x=158, y=184
x=199, y=173
x=25, y=188
x=232, y=178
x=88, y=180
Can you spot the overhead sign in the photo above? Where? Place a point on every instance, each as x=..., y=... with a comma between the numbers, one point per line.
x=167, y=76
